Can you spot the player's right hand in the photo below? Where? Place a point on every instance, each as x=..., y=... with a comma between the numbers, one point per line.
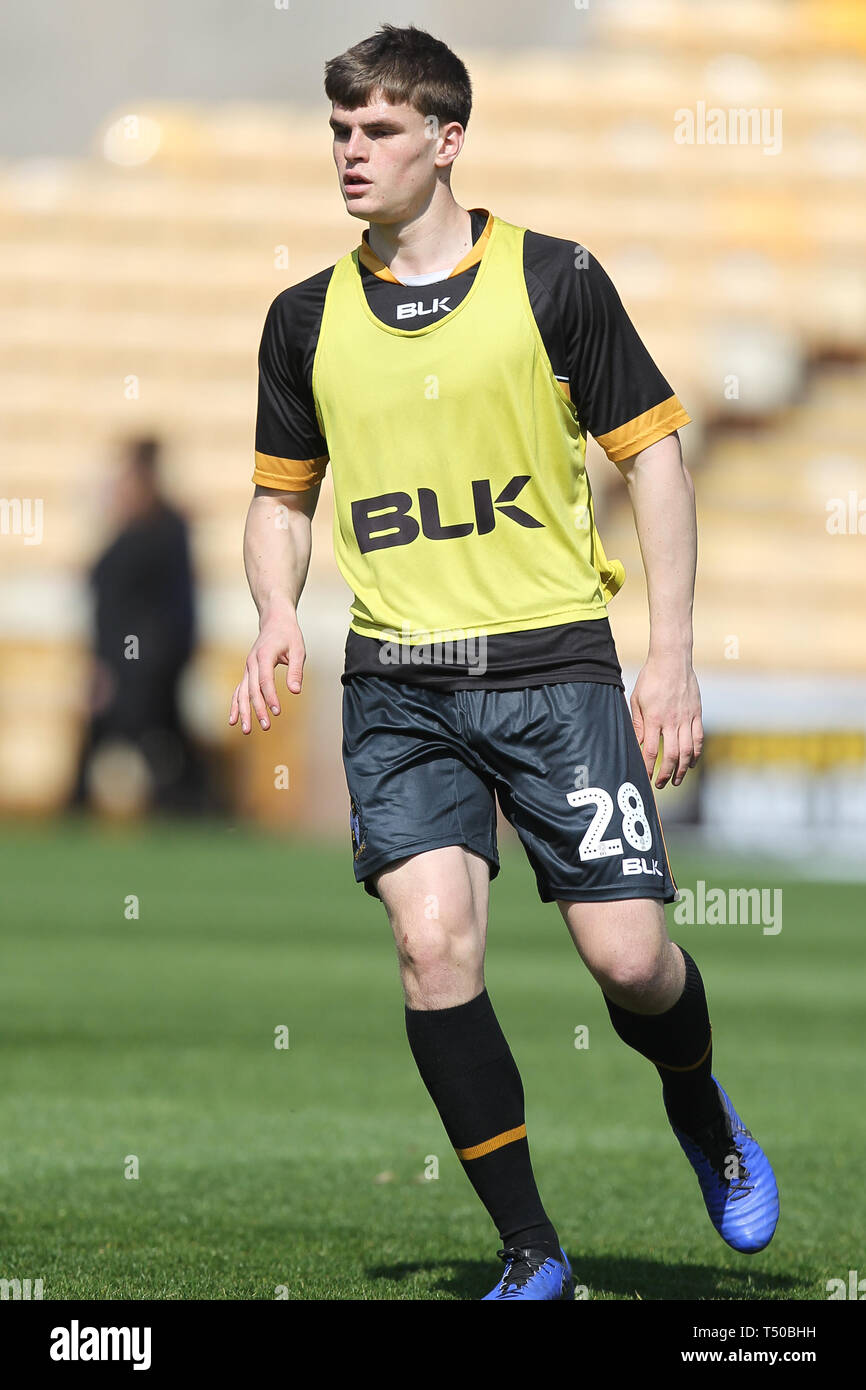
x=280, y=643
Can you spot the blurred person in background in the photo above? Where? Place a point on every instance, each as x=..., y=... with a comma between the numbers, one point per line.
x=136, y=754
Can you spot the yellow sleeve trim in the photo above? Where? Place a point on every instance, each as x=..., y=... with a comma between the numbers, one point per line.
x=293, y=475
x=644, y=430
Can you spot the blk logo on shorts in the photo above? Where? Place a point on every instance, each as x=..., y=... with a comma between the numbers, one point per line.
x=386, y=520
x=640, y=866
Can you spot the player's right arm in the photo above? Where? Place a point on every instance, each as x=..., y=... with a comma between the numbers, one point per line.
x=277, y=546
x=291, y=457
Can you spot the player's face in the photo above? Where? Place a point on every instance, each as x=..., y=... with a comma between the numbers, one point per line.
x=386, y=158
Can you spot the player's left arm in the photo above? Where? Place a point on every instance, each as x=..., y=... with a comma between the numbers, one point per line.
x=666, y=701
x=623, y=400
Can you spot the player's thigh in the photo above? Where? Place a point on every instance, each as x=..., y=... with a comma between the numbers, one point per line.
x=437, y=905
x=624, y=944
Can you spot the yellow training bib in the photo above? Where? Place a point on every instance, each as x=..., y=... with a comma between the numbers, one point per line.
x=461, y=501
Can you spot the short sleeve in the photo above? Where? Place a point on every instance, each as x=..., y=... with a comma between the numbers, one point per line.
x=290, y=450
x=620, y=395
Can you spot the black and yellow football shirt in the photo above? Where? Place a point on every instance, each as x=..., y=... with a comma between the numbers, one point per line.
x=454, y=417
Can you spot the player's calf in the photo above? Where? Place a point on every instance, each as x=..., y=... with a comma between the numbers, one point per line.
x=438, y=913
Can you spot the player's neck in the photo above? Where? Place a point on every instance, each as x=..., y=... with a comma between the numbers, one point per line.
x=436, y=239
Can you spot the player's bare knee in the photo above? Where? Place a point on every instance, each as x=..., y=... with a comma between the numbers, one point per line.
x=633, y=978
x=431, y=947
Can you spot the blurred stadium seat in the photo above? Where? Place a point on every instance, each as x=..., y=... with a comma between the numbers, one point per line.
x=135, y=286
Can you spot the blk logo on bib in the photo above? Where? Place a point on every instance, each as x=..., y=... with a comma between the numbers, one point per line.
x=387, y=520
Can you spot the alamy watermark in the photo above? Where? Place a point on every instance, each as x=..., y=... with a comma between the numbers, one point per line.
x=433, y=649
x=855, y=1287
x=20, y=1289
x=713, y=125
x=77, y=1343
x=22, y=516
x=736, y=907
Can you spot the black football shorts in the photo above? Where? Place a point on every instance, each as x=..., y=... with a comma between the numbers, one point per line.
x=423, y=767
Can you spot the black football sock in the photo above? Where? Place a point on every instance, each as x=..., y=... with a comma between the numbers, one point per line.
x=679, y=1044
x=467, y=1066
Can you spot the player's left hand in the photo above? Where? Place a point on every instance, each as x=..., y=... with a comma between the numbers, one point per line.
x=666, y=707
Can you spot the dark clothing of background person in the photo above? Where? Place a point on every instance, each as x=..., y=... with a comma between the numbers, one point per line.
x=142, y=587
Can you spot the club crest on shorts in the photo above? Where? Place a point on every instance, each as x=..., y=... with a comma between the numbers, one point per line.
x=355, y=822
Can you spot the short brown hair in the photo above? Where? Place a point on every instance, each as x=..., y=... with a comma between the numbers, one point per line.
x=409, y=67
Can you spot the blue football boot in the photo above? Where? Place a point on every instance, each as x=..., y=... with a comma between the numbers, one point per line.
x=736, y=1179
x=532, y=1274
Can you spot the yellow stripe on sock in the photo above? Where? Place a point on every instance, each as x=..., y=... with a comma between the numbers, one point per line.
x=694, y=1065
x=508, y=1136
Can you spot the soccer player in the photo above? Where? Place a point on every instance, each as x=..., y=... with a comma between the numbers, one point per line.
x=449, y=369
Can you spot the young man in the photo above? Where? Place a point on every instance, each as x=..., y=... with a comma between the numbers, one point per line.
x=449, y=369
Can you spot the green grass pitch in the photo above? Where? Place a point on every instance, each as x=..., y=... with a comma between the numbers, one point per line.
x=303, y=1168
